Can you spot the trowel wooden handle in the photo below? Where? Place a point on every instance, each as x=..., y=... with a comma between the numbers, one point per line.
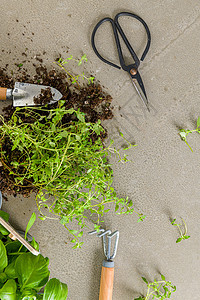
x=106, y=286
x=3, y=92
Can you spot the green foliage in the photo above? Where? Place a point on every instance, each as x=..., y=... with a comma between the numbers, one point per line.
x=74, y=78
x=3, y=257
x=55, y=290
x=32, y=271
x=184, y=133
x=161, y=289
x=30, y=223
x=5, y=216
x=8, y=291
x=67, y=163
x=22, y=274
x=183, y=234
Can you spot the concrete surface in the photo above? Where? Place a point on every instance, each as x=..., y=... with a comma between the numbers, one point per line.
x=163, y=179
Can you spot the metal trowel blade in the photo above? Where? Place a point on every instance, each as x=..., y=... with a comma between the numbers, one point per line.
x=24, y=93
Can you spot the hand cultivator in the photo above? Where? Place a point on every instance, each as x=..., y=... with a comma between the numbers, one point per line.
x=107, y=272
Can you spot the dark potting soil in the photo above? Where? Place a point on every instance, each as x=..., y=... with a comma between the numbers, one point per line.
x=44, y=97
x=90, y=99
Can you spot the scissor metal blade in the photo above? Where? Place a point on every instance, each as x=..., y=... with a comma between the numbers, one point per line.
x=139, y=86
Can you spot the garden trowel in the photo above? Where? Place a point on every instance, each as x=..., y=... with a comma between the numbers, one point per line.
x=23, y=94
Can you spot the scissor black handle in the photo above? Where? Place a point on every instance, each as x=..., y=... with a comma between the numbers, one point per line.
x=115, y=35
x=116, y=26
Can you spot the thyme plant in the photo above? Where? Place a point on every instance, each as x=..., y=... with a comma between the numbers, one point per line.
x=183, y=234
x=184, y=133
x=74, y=78
x=160, y=289
x=66, y=162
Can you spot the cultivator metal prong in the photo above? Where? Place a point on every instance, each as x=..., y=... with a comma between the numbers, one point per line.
x=110, y=236
x=95, y=231
x=107, y=242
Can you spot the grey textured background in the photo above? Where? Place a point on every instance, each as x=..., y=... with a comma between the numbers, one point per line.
x=163, y=177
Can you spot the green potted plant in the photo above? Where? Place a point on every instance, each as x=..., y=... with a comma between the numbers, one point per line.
x=23, y=275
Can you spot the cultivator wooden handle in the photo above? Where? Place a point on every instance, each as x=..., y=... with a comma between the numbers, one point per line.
x=107, y=278
x=3, y=92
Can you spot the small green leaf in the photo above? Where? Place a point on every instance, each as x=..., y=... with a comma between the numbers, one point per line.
x=174, y=288
x=198, y=122
x=116, y=207
x=64, y=133
x=186, y=237
x=163, y=277
x=173, y=221
x=145, y=280
x=81, y=116
x=97, y=227
x=30, y=223
x=34, y=244
x=179, y=240
x=53, y=127
x=81, y=60
x=141, y=218
x=80, y=234
x=91, y=80
x=42, y=218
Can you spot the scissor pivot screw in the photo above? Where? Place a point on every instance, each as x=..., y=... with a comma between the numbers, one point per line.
x=133, y=71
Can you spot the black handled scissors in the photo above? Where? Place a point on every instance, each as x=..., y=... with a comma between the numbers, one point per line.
x=133, y=68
